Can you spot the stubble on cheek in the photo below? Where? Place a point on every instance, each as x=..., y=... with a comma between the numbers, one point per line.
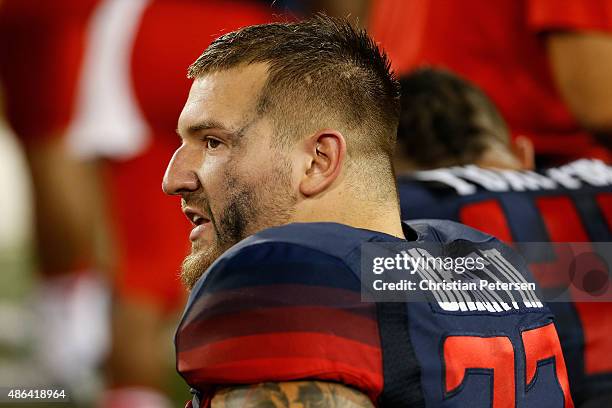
x=249, y=208
x=227, y=226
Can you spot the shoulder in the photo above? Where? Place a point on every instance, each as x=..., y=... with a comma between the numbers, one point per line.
x=323, y=237
x=284, y=304
x=324, y=256
x=311, y=248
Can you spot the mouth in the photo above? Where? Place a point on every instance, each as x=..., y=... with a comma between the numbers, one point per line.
x=200, y=222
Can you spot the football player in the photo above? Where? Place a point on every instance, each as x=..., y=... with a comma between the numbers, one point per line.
x=450, y=127
x=285, y=170
x=69, y=299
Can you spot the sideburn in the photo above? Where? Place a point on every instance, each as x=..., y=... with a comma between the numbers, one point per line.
x=252, y=207
x=235, y=218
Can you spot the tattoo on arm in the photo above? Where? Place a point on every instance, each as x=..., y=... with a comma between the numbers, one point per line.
x=299, y=394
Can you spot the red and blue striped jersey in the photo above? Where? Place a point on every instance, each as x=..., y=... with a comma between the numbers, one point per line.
x=286, y=304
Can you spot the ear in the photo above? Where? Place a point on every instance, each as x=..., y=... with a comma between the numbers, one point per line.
x=522, y=147
x=326, y=150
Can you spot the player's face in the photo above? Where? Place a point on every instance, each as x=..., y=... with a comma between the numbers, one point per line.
x=232, y=180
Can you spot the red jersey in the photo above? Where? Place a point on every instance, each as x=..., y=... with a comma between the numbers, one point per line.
x=41, y=48
x=292, y=303
x=498, y=45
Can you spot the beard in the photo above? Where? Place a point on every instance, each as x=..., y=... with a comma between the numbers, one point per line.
x=249, y=208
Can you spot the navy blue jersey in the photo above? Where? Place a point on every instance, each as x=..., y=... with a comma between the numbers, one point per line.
x=286, y=304
x=572, y=203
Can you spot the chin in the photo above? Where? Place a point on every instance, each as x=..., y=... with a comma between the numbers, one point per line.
x=195, y=264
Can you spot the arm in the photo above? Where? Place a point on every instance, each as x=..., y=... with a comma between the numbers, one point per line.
x=581, y=63
x=302, y=394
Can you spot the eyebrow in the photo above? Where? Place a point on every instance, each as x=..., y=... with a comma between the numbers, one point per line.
x=213, y=124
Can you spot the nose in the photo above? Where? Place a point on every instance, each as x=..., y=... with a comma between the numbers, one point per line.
x=180, y=176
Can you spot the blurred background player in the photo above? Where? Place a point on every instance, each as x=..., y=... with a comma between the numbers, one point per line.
x=41, y=49
x=456, y=124
x=544, y=63
x=112, y=88
x=449, y=126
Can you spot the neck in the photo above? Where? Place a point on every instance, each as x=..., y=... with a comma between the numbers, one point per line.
x=379, y=217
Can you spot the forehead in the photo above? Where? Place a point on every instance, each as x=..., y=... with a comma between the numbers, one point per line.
x=228, y=96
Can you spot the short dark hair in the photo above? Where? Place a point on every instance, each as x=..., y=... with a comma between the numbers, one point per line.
x=322, y=72
x=446, y=120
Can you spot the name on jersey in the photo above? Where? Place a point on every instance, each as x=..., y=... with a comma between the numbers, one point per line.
x=466, y=179
x=490, y=284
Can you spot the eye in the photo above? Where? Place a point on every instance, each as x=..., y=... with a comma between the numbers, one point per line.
x=211, y=143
